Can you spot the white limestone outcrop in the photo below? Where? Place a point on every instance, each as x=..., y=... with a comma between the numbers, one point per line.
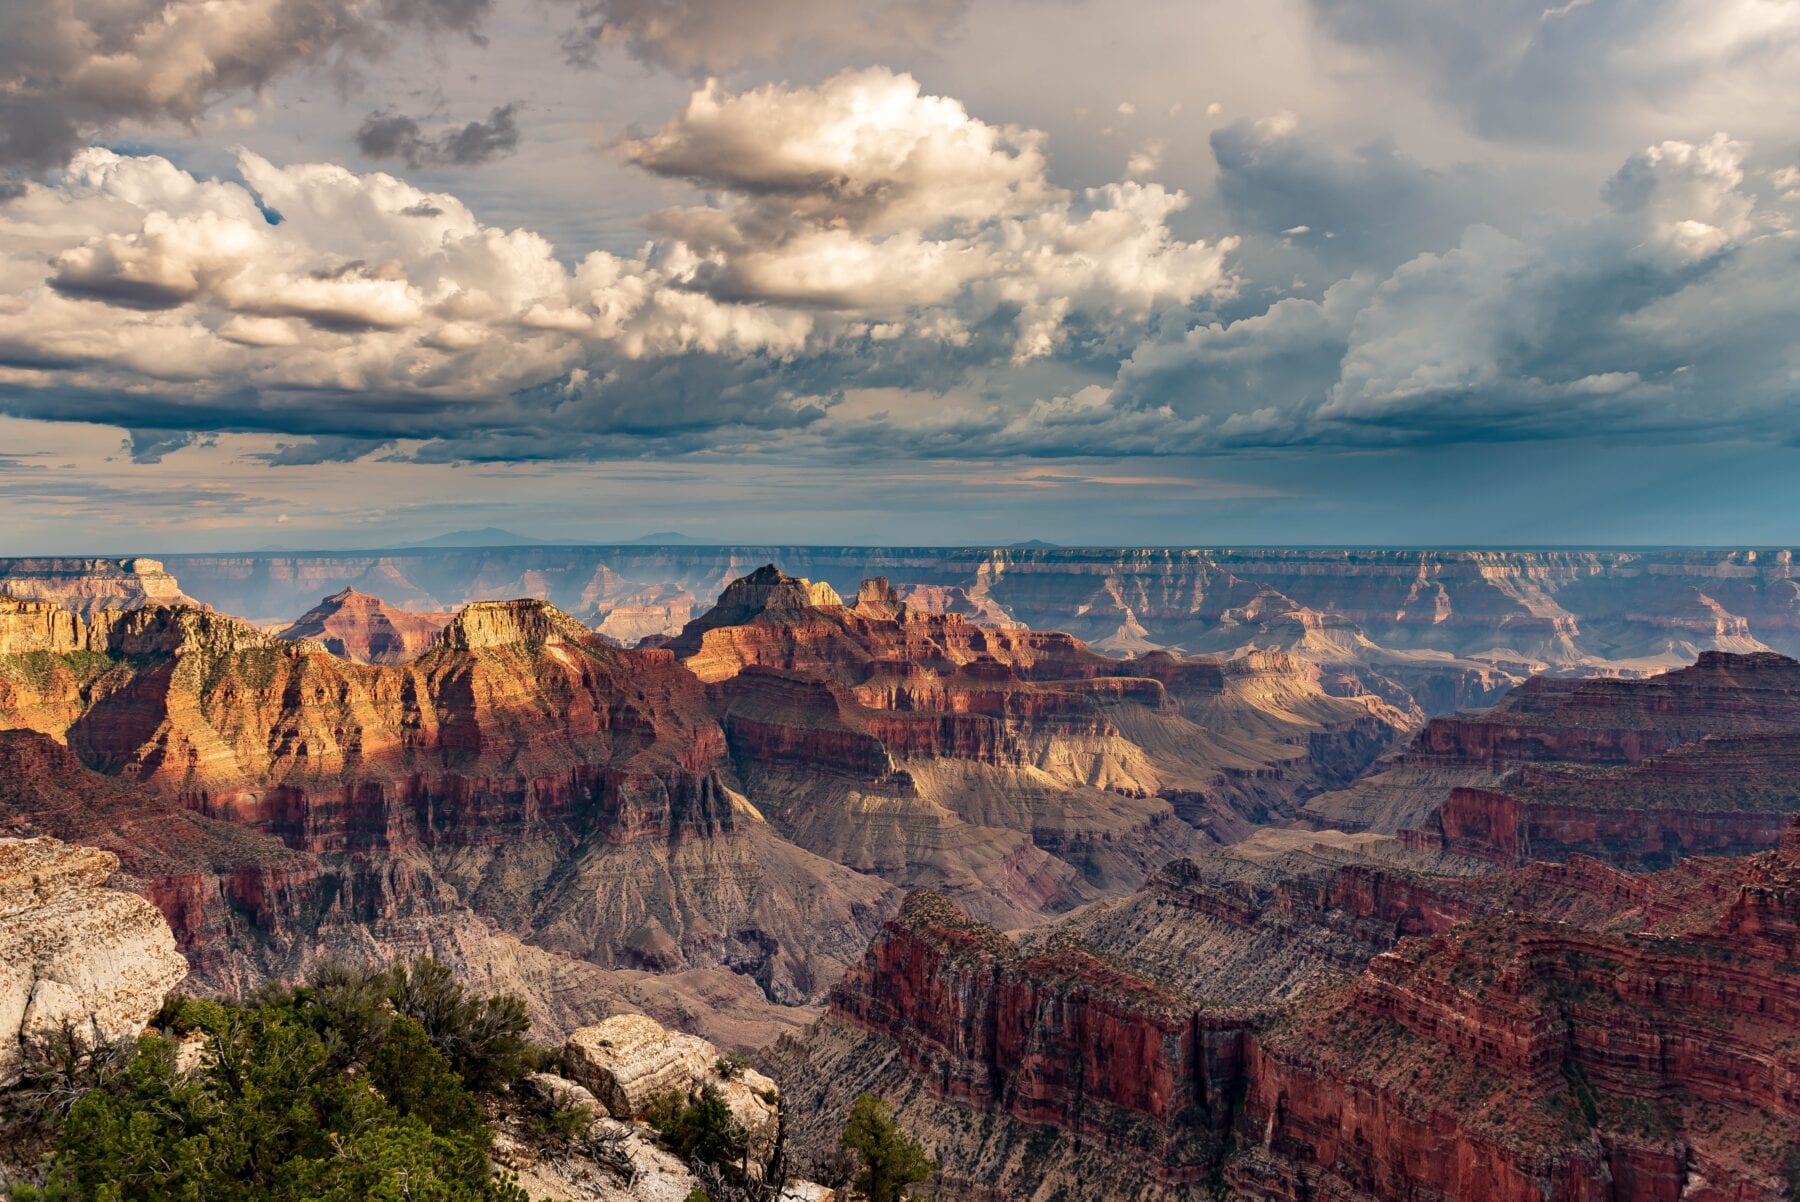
x=630, y=1060
x=73, y=951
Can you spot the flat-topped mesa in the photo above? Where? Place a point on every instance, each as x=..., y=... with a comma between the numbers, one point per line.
x=1621, y=769
x=87, y=586
x=73, y=953
x=487, y=625
x=365, y=629
x=1613, y=721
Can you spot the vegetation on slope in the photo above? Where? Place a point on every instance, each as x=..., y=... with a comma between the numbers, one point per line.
x=362, y=1086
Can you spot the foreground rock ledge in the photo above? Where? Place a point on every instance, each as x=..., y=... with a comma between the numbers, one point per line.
x=74, y=952
x=630, y=1060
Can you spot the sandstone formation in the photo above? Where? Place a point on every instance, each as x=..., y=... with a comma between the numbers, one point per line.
x=366, y=629
x=1450, y=628
x=1015, y=770
x=629, y=1061
x=522, y=775
x=88, y=586
x=1700, y=760
x=74, y=954
x=1644, y=1051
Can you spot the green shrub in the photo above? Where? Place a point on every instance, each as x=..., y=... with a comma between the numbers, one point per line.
x=700, y=1130
x=270, y=1114
x=483, y=1037
x=564, y=1124
x=891, y=1160
x=418, y=1081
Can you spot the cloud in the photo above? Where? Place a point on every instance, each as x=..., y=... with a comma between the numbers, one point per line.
x=859, y=234
x=149, y=446
x=1380, y=206
x=865, y=148
x=1662, y=317
x=386, y=134
x=1669, y=316
x=323, y=448
x=371, y=309
x=1529, y=69
x=866, y=194
x=72, y=68
x=716, y=35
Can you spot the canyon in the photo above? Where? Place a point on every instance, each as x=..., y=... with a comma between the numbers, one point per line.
x=710, y=829
x=1699, y=760
x=1350, y=875
x=1446, y=629
x=1586, y=1050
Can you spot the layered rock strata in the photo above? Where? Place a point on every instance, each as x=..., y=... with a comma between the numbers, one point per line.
x=1387, y=612
x=1016, y=770
x=90, y=586
x=366, y=629
x=1644, y=1055
x=630, y=1062
x=523, y=774
x=1637, y=772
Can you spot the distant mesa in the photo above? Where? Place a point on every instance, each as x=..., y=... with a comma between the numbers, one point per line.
x=1032, y=544
x=487, y=536
x=669, y=538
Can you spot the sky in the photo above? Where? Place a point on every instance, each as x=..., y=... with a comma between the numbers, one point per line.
x=346, y=273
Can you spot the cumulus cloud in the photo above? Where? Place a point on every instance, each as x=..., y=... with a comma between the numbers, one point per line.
x=1664, y=315
x=386, y=134
x=865, y=148
x=716, y=35
x=72, y=68
x=865, y=194
x=861, y=233
x=223, y=318
x=1668, y=316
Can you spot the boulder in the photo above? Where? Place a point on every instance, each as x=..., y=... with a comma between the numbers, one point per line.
x=558, y=1093
x=73, y=952
x=630, y=1060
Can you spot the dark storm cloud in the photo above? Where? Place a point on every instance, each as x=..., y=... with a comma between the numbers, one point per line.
x=1368, y=206
x=386, y=134
x=70, y=69
x=322, y=449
